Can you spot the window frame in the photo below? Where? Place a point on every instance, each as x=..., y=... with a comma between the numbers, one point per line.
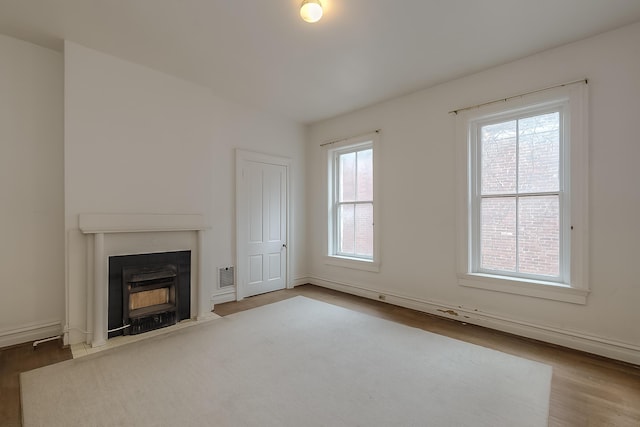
x=572, y=283
x=334, y=150
x=563, y=191
x=337, y=203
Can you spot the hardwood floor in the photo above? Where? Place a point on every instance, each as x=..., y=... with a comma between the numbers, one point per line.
x=21, y=358
x=586, y=390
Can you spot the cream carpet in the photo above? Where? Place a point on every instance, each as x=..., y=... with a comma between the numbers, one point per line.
x=298, y=362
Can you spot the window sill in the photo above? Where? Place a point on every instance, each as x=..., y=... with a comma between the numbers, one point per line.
x=531, y=288
x=353, y=263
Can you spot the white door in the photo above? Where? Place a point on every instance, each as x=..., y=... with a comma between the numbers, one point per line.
x=262, y=224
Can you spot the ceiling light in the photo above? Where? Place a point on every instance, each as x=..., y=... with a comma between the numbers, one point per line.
x=311, y=10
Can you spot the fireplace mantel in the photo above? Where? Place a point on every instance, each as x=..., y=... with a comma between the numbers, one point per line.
x=138, y=223
x=99, y=225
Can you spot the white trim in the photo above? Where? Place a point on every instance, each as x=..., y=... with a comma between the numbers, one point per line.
x=203, y=306
x=579, y=181
x=526, y=287
x=353, y=263
x=578, y=340
x=100, y=292
x=243, y=156
x=30, y=332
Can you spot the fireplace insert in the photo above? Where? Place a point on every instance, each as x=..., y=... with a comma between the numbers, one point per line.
x=149, y=297
x=148, y=291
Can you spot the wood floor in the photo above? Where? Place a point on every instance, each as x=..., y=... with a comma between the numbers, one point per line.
x=21, y=358
x=586, y=390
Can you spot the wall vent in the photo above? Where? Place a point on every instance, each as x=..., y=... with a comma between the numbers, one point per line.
x=226, y=277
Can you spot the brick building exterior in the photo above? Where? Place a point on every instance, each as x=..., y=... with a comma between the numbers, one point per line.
x=520, y=207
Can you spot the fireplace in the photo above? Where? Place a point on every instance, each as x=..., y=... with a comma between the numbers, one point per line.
x=114, y=234
x=148, y=291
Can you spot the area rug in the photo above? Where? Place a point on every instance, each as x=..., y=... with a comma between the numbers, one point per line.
x=298, y=362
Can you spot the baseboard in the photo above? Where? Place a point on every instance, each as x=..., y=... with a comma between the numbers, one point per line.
x=601, y=346
x=222, y=298
x=29, y=332
x=300, y=281
x=231, y=295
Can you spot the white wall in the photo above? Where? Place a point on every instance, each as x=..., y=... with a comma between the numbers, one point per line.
x=113, y=106
x=418, y=207
x=140, y=141
x=31, y=192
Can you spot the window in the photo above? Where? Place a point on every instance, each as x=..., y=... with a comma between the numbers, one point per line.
x=352, y=241
x=353, y=202
x=524, y=229
x=518, y=195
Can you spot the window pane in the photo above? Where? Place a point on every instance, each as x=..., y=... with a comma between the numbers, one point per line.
x=347, y=178
x=365, y=175
x=539, y=156
x=346, y=229
x=364, y=230
x=498, y=234
x=498, y=143
x=539, y=234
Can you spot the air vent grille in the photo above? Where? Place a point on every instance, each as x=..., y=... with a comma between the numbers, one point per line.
x=226, y=277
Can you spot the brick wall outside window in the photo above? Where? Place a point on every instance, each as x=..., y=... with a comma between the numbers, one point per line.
x=355, y=221
x=520, y=231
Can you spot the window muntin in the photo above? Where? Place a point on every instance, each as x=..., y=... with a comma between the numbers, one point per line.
x=352, y=202
x=518, y=195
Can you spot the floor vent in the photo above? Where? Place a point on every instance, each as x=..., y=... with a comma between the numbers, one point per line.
x=225, y=277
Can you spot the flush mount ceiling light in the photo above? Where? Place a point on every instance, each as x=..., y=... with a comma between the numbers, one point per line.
x=311, y=10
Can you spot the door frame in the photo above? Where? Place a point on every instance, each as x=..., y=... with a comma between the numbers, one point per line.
x=243, y=156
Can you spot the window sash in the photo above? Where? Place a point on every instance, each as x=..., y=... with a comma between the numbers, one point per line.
x=518, y=240
x=336, y=204
x=476, y=196
x=339, y=236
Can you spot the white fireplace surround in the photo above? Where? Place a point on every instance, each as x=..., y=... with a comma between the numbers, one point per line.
x=112, y=235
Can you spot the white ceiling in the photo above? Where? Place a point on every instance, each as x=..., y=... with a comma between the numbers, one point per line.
x=260, y=53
